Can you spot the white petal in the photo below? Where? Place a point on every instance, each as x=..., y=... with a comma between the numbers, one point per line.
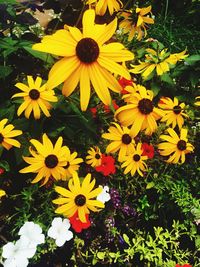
x=8, y=250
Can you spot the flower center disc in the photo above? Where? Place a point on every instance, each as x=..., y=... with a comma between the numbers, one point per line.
x=145, y=106
x=97, y=156
x=181, y=145
x=34, y=94
x=1, y=138
x=177, y=109
x=51, y=161
x=126, y=139
x=80, y=200
x=136, y=157
x=87, y=50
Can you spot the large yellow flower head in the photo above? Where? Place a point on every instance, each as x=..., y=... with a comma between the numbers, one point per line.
x=134, y=162
x=36, y=98
x=47, y=160
x=86, y=59
x=173, y=112
x=79, y=197
x=102, y=5
x=94, y=157
x=135, y=22
x=122, y=141
x=175, y=147
x=140, y=113
x=160, y=61
x=6, y=135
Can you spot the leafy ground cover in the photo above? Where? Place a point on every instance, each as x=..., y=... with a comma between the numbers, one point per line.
x=99, y=133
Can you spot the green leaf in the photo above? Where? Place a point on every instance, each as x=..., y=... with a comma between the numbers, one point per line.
x=5, y=71
x=155, y=88
x=101, y=255
x=4, y=165
x=43, y=56
x=192, y=59
x=150, y=185
x=166, y=78
x=126, y=239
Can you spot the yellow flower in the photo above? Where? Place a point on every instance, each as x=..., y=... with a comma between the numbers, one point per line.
x=103, y=5
x=175, y=147
x=72, y=164
x=135, y=22
x=94, y=157
x=135, y=161
x=86, y=59
x=157, y=60
x=198, y=102
x=140, y=113
x=123, y=141
x=173, y=111
x=47, y=161
x=6, y=135
x=79, y=197
x=132, y=90
x=2, y=193
x=36, y=97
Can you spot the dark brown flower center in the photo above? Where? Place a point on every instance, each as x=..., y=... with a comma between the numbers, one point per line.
x=34, y=94
x=181, y=145
x=97, y=156
x=80, y=200
x=177, y=109
x=51, y=161
x=1, y=138
x=87, y=50
x=145, y=106
x=67, y=165
x=136, y=157
x=126, y=139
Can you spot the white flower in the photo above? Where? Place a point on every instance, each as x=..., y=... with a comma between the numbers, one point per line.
x=32, y=233
x=59, y=231
x=104, y=196
x=17, y=254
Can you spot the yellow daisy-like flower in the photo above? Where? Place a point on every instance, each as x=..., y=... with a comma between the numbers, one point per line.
x=48, y=160
x=87, y=59
x=6, y=135
x=173, y=111
x=103, y=5
x=132, y=90
x=36, y=97
x=197, y=103
x=79, y=198
x=135, y=22
x=2, y=193
x=94, y=157
x=140, y=113
x=72, y=164
x=157, y=60
x=134, y=162
x=123, y=141
x=175, y=147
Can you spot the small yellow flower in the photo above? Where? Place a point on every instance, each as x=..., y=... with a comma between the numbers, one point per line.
x=2, y=193
x=6, y=135
x=173, y=112
x=198, y=102
x=175, y=147
x=134, y=162
x=102, y=6
x=94, y=157
x=79, y=197
x=132, y=90
x=36, y=97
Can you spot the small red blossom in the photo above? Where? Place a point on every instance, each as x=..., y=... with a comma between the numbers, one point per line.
x=107, y=108
x=161, y=100
x=124, y=82
x=94, y=112
x=148, y=150
x=185, y=265
x=107, y=166
x=77, y=225
x=2, y=171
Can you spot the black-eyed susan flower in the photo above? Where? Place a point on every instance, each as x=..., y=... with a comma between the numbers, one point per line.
x=47, y=160
x=140, y=113
x=135, y=22
x=6, y=135
x=86, y=59
x=156, y=60
x=103, y=5
x=72, y=164
x=122, y=140
x=134, y=162
x=36, y=98
x=131, y=90
x=79, y=197
x=2, y=193
x=94, y=156
x=173, y=112
x=174, y=146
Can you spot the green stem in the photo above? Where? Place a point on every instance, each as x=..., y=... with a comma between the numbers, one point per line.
x=166, y=9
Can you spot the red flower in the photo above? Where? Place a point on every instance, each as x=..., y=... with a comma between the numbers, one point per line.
x=148, y=150
x=2, y=171
x=94, y=112
x=185, y=265
x=124, y=82
x=77, y=225
x=107, y=108
x=107, y=166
